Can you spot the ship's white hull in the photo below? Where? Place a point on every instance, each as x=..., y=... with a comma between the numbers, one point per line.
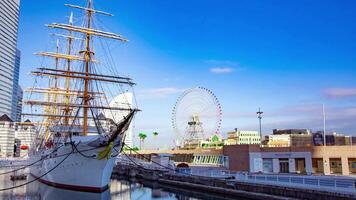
x=80, y=171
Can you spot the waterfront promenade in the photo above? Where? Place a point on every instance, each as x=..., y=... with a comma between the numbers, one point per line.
x=241, y=184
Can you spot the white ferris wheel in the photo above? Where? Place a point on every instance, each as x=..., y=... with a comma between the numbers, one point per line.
x=197, y=115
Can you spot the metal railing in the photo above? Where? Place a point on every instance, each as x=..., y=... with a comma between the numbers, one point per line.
x=215, y=173
x=339, y=184
x=142, y=163
x=323, y=183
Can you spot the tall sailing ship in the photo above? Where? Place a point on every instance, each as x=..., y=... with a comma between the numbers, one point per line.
x=78, y=139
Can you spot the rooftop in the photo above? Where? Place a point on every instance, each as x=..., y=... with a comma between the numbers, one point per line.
x=5, y=118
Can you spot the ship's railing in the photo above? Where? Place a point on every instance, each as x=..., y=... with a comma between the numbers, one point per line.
x=325, y=183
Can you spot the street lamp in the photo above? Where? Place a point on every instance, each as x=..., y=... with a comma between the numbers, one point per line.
x=259, y=116
x=324, y=124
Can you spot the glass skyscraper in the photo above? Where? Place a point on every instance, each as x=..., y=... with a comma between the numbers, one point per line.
x=9, y=57
x=15, y=88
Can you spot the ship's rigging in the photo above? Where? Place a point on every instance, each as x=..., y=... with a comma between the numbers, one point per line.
x=77, y=91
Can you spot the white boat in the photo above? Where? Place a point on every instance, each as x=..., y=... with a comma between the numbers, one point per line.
x=80, y=171
x=77, y=146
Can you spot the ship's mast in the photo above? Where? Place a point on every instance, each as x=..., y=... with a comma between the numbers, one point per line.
x=67, y=81
x=55, y=85
x=52, y=110
x=87, y=57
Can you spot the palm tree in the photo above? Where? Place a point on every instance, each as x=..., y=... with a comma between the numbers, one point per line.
x=155, y=133
x=142, y=137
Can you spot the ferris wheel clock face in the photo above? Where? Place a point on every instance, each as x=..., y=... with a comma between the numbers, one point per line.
x=196, y=115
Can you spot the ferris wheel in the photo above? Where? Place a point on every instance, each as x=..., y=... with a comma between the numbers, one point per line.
x=196, y=115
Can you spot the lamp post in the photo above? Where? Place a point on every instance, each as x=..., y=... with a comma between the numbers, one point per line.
x=259, y=116
x=324, y=125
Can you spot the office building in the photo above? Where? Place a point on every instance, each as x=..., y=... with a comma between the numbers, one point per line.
x=333, y=139
x=243, y=137
x=15, y=87
x=9, y=68
x=287, y=140
x=291, y=132
x=19, y=104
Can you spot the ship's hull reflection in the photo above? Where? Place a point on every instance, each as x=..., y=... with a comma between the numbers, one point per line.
x=45, y=192
x=118, y=190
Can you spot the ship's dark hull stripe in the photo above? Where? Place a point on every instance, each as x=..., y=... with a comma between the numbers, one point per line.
x=73, y=187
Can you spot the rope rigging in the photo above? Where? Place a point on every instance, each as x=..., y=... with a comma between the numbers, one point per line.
x=37, y=178
x=52, y=134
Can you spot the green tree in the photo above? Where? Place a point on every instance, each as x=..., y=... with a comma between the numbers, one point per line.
x=155, y=133
x=142, y=137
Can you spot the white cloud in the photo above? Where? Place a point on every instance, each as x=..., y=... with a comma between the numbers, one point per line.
x=340, y=92
x=221, y=70
x=222, y=62
x=159, y=92
x=223, y=66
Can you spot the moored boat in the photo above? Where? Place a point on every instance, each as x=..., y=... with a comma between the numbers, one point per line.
x=76, y=146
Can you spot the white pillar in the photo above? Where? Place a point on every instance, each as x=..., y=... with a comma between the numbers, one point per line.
x=308, y=164
x=326, y=162
x=345, y=166
x=291, y=165
x=275, y=162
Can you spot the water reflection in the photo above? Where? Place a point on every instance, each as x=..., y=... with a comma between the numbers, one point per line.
x=51, y=193
x=125, y=189
x=119, y=190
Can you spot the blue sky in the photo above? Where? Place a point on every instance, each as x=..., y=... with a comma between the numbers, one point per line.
x=288, y=57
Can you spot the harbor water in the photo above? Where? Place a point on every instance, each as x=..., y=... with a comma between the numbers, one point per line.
x=120, y=188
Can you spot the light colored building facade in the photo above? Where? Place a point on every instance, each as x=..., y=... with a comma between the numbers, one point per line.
x=26, y=137
x=278, y=140
x=327, y=160
x=243, y=137
x=287, y=140
x=7, y=136
x=337, y=160
x=9, y=15
x=256, y=159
